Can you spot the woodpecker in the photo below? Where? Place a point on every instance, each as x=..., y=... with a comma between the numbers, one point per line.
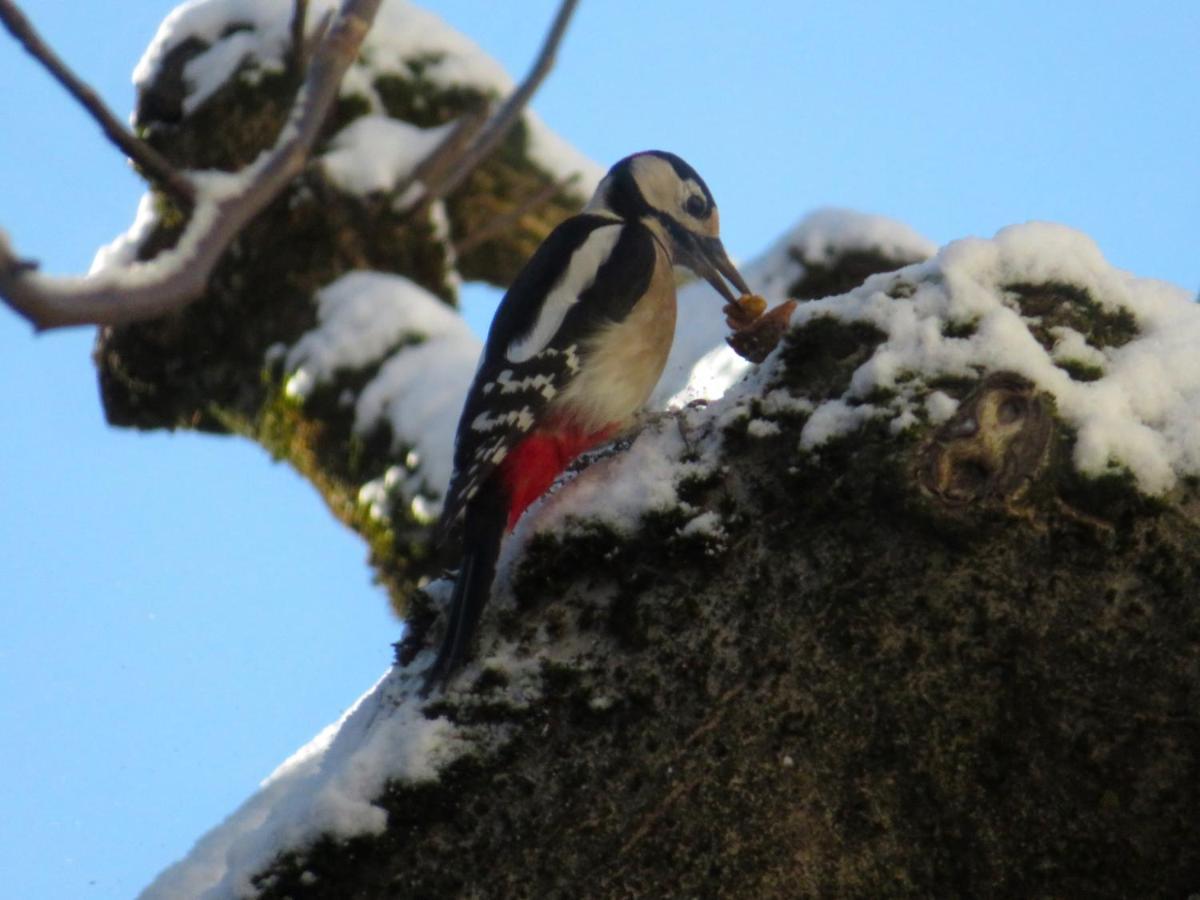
x=574, y=351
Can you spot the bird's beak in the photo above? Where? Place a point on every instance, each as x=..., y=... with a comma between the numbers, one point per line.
x=707, y=258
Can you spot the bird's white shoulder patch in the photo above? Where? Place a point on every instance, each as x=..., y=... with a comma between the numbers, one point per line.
x=578, y=276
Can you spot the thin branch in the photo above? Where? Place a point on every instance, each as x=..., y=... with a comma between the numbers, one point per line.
x=434, y=165
x=224, y=205
x=502, y=223
x=504, y=120
x=154, y=164
x=298, y=56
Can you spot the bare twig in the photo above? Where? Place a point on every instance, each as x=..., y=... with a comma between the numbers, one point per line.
x=434, y=165
x=502, y=223
x=297, y=57
x=504, y=120
x=177, y=276
x=154, y=164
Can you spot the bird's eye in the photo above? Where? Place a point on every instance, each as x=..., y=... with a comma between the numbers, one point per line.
x=695, y=206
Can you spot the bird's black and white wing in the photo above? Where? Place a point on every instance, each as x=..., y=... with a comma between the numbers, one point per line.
x=588, y=273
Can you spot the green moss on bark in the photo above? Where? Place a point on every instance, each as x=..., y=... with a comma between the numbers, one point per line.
x=842, y=273
x=1056, y=304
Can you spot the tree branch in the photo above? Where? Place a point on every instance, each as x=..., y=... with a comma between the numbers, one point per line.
x=459, y=167
x=154, y=164
x=433, y=167
x=224, y=205
x=297, y=57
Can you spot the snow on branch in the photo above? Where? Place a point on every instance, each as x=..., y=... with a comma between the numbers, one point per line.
x=224, y=204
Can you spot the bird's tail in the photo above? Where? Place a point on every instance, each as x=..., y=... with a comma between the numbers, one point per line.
x=483, y=530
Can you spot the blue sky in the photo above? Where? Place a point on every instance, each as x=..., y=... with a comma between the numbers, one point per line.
x=178, y=613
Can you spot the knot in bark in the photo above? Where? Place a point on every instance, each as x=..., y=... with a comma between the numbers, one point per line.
x=992, y=447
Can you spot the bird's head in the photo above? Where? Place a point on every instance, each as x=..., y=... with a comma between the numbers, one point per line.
x=665, y=194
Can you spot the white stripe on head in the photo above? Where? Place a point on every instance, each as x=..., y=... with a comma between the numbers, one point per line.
x=579, y=275
x=661, y=186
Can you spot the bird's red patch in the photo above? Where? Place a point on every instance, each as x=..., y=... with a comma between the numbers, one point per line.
x=531, y=467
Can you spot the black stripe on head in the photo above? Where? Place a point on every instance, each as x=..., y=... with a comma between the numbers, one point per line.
x=624, y=198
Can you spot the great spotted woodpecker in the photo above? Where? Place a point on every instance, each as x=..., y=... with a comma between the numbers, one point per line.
x=575, y=349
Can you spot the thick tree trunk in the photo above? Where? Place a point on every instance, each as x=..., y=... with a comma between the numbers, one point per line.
x=934, y=666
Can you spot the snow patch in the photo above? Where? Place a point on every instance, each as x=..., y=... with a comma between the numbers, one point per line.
x=825, y=235
x=374, y=153
x=328, y=787
x=1071, y=347
x=707, y=524
x=833, y=419
x=940, y=407
x=419, y=389
x=122, y=251
x=1141, y=414
x=360, y=317
x=761, y=428
x=263, y=32
x=419, y=393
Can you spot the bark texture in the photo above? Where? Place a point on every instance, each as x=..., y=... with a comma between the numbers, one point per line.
x=935, y=664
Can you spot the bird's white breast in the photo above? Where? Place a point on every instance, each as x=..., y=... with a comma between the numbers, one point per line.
x=623, y=361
